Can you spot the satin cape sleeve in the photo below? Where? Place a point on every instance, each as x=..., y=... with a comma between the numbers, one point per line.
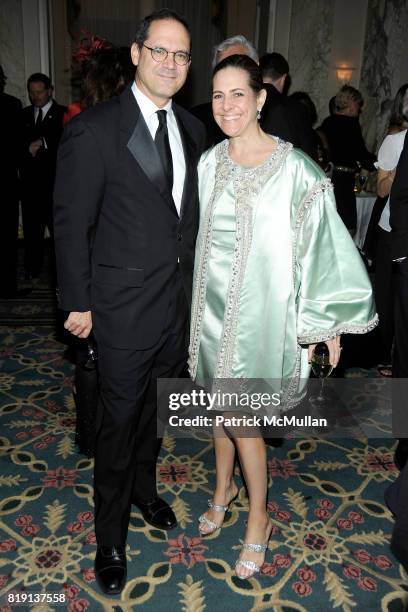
x=334, y=293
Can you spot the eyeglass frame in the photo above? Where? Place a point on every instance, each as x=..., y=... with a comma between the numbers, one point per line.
x=151, y=49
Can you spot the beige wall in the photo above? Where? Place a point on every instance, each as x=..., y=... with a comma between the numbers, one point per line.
x=347, y=41
x=24, y=42
x=61, y=52
x=241, y=18
x=12, y=47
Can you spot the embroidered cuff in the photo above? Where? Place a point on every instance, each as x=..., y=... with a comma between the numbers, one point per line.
x=322, y=336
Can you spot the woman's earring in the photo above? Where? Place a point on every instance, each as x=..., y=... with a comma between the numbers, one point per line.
x=258, y=114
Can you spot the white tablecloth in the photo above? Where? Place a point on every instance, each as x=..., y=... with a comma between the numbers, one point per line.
x=365, y=203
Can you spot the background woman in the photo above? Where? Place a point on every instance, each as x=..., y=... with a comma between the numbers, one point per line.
x=388, y=156
x=347, y=151
x=275, y=272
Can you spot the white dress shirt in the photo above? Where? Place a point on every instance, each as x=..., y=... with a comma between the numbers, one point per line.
x=44, y=109
x=149, y=112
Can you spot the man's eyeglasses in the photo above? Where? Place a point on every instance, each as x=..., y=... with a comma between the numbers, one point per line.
x=160, y=55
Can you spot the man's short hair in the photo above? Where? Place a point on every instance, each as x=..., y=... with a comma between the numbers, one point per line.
x=273, y=66
x=39, y=77
x=239, y=39
x=142, y=32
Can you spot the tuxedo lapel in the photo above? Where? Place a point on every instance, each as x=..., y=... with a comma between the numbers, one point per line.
x=137, y=138
x=189, y=157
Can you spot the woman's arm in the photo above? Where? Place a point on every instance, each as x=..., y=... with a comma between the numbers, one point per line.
x=334, y=293
x=384, y=182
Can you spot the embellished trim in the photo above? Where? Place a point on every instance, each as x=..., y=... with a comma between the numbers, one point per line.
x=315, y=337
x=247, y=183
x=310, y=197
x=243, y=241
x=293, y=385
x=222, y=176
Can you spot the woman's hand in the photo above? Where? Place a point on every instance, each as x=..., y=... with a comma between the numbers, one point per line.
x=334, y=350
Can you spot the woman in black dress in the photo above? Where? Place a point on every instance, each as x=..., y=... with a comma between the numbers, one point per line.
x=347, y=150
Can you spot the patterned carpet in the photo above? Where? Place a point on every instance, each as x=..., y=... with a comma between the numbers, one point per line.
x=40, y=306
x=329, y=548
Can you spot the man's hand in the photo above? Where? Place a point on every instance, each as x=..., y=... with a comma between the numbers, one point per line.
x=79, y=323
x=35, y=146
x=334, y=350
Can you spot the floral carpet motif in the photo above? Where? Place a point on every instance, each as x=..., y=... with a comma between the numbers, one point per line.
x=331, y=530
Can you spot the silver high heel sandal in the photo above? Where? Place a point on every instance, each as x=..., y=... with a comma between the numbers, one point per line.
x=253, y=567
x=203, y=520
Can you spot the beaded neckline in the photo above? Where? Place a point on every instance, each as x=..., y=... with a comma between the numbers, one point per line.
x=276, y=153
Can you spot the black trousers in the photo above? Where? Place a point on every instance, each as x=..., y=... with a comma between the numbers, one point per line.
x=400, y=356
x=343, y=183
x=384, y=294
x=36, y=206
x=86, y=399
x=127, y=446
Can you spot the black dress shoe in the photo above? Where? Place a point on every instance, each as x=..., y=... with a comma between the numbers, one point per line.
x=110, y=568
x=157, y=513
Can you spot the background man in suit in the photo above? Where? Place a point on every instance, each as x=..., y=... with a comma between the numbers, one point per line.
x=280, y=115
x=126, y=217
x=41, y=129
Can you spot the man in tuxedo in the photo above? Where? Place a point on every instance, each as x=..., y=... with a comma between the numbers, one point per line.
x=280, y=115
x=41, y=129
x=126, y=219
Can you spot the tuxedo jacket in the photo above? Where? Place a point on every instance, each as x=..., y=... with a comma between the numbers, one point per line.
x=118, y=235
x=40, y=169
x=399, y=206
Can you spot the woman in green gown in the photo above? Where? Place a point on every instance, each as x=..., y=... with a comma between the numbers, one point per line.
x=276, y=272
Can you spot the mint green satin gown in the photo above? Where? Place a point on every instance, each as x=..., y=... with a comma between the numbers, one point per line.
x=275, y=270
